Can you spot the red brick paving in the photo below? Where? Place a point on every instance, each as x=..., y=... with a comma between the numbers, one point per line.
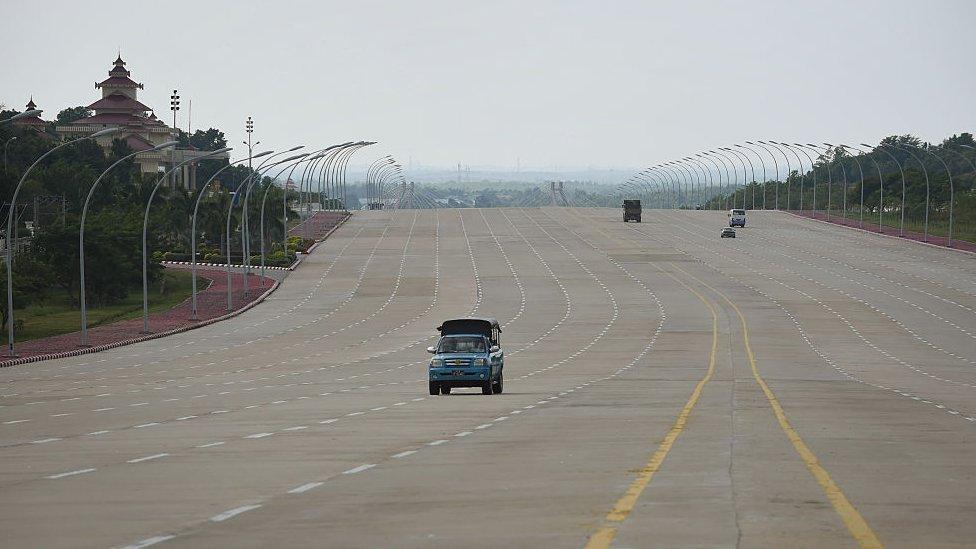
x=317, y=226
x=211, y=303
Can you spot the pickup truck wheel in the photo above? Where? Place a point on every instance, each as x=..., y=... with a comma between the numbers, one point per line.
x=486, y=388
x=445, y=390
x=499, y=385
x=434, y=387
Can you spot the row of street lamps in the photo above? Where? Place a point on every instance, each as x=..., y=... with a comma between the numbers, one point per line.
x=330, y=180
x=677, y=180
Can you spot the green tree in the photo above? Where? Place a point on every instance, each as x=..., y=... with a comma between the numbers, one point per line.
x=72, y=114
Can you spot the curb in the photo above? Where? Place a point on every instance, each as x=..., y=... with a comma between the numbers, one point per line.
x=899, y=238
x=106, y=346
x=147, y=337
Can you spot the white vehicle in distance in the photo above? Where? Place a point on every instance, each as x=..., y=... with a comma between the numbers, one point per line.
x=737, y=217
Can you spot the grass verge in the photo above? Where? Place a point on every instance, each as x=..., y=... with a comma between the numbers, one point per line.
x=57, y=314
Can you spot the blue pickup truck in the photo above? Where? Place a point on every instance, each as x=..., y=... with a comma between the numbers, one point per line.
x=468, y=354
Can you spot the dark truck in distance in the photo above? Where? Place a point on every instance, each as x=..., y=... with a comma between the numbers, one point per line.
x=632, y=210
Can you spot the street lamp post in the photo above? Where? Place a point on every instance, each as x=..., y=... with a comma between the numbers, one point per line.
x=880, y=181
x=763, y=164
x=830, y=179
x=776, y=167
x=245, y=228
x=725, y=159
x=145, y=226
x=707, y=173
x=193, y=229
x=752, y=170
x=718, y=172
x=174, y=105
x=683, y=175
x=10, y=227
x=5, y=145
x=901, y=228
x=813, y=176
x=925, y=171
x=951, y=190
x=81, y=237
x=264, y=199
x=789, y=171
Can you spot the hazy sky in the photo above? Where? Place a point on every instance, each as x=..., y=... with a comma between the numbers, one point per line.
x=563, y=84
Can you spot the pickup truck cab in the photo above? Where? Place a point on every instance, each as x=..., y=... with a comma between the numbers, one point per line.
x=737, y=217
x=468, y=354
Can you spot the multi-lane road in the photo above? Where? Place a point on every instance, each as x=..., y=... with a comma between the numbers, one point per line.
x=800, y=385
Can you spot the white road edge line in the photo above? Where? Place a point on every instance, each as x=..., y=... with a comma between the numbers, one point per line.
x=147, y=458
x=71, y=473
x=233, y=513
x=149, y=541
x=359, y=469
x=305, y=487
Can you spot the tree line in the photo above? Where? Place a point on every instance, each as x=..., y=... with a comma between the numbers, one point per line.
x=48, y=261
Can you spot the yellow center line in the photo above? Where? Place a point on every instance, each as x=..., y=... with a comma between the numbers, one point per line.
x=855, y=523
x=621, y=510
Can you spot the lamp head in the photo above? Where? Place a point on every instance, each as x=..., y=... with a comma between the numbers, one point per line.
x=293, y=148
x=106, y=131
x=165, y=145
x=290, y=158
x=260, y=154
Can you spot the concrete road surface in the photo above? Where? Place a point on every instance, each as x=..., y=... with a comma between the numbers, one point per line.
x=801, y=385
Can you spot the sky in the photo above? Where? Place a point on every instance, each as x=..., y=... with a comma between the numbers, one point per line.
x=540, y=84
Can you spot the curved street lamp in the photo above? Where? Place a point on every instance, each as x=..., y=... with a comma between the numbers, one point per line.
x=765, y=179
x=776, y=167
x=813, y=175
x=789, y=172
x=725, y=159
x=246, y=229
x=10, y=227
x=264, y=200
x=25, y=114
x=925, y=171
x=951, y=189
x=244, y=186
x=145, y=227
x=880, y=147
x=81, y=236
x=193, y=229
x=752, y=170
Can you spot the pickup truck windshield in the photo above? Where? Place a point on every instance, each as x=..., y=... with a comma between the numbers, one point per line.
x=461, y=344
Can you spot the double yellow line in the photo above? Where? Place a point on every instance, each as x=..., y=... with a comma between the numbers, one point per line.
x=621, y=510
x=855, y=523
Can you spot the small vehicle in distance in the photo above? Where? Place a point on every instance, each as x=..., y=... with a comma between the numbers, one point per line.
x=468, y=354
x=728, y=232
x=632, y=210
x=737, y=217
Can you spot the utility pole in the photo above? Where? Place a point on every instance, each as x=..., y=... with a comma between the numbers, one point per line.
x=249, y=128
x=174, y=105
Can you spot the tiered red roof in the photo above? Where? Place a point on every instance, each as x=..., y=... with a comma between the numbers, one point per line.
x=118, y=101
x=31, y=120
x=118, y=77
x=138, y=143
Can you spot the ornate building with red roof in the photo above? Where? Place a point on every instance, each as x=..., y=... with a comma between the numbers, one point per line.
x=120, y=107
x=33, y=122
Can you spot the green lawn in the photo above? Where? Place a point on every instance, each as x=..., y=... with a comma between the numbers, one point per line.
x=56, y=315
